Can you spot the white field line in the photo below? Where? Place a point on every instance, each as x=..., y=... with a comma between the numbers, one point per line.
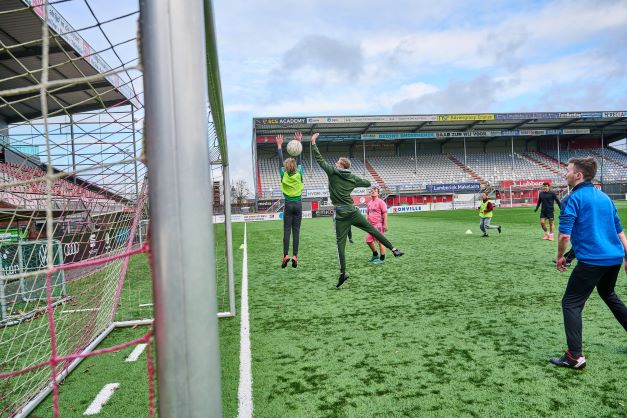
x=136, y=353
x=245, y=391
x=101, y=399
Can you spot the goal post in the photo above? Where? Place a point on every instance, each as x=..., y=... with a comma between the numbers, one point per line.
x=186, y=328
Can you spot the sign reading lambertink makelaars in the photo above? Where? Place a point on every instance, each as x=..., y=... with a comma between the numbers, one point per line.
x=453, y=188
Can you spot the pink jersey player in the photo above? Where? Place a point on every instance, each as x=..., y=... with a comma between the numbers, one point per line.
x=378, y=217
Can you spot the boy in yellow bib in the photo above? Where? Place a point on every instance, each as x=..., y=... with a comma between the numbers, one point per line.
x=292, y=187
x=486, y=210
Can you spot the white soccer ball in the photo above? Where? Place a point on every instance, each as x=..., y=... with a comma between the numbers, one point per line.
x=294, y=148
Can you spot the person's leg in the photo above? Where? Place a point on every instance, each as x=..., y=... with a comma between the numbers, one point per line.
x=488, y=225
x=297, y=217
x=543, y=225
x=606, y=291
x=482, y=226
x=341, y=232
x=287, y=228
x=552, y=225
x=358, y=220
x=350, y=235
x=570, y=255
x=580, y=285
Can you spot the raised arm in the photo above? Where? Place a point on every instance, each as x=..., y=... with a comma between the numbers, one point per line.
x=299, y=137
x=323, y=164
x=279, y=144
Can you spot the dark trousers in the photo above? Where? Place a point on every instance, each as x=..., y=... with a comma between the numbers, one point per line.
x=343, y=220
x=292, y=216
x=582, y=281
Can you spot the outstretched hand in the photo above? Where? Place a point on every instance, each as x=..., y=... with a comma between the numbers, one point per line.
x=314, y=137
x=298, y=136
x=279, y=140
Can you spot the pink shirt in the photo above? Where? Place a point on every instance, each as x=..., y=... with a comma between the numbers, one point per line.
x=376, y=209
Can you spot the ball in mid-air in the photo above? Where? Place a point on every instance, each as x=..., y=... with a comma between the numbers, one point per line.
x=294, y=148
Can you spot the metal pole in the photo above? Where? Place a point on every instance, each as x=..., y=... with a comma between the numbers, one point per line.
x=559, y=161
x=134, y=151
x=512, y=137
x=186, y=324
x=465, y=158
x=511, y=201
x=602, y=156
x=226, y=178
x=415, y=158
x=364, y=146
x=73, y=149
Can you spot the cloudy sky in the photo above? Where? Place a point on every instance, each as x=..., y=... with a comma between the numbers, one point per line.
x=354, y=57
x=362, y=57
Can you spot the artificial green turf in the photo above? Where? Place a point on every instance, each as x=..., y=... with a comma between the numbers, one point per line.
x=131, y=399
x=460, y=326
x=80, y=388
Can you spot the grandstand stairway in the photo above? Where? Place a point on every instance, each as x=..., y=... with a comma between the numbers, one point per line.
x=542, y=164
x=466, y=169
x=618, y=163
x=542, y=156
x=377, y=177
x=259, y=189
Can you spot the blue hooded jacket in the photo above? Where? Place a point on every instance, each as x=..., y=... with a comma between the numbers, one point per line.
x=590, y=218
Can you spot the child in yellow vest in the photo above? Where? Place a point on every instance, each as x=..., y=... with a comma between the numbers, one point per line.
x=486, y=210
x=292, y=187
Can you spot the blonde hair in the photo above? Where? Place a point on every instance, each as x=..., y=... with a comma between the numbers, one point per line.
x=345, y=162
x=290, y=165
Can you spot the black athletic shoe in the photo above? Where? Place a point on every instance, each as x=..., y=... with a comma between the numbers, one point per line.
x=294, y=262
x=499, y=229
x=570, y=361
x=397, y=253
x=342, y=279
x=484, y=236
x=284, y=261
x=351, y=241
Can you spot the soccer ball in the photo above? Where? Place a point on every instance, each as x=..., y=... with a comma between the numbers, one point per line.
x=294, y=148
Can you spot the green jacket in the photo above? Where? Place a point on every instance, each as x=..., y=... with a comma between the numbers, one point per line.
x=341, y=182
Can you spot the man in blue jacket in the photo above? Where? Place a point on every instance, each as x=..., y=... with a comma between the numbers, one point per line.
x=590, y=221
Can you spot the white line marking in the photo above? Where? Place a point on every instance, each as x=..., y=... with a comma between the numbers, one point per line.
x=101, y=399
x=81, y=310
x=136, y=353
x=245, y=391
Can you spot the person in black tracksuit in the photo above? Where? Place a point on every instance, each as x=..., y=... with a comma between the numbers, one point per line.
x=292, y=187
x=547, y=199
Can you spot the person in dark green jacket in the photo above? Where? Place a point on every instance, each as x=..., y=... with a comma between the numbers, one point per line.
x=341, y=183
x=292, y=187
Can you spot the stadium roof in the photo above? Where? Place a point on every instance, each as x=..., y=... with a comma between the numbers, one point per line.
x=70, y=57
x=611, y=124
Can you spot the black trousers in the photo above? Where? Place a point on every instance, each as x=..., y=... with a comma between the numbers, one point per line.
x=292, y=216
x=582, y=281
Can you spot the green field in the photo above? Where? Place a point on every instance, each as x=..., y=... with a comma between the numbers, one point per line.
x=459, y=326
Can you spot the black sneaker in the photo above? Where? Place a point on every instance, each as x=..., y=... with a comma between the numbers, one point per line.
x=484, y=236
x=397, y=253
x=294, y=262
x=351, y=241
x=499, y=229
x=570, y=361
x=285, y=261
x=342, y=279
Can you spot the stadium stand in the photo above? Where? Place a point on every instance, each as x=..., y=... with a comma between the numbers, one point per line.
x=431, y=168
x=32, y=196
x=497, y=166
x=614, y=162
